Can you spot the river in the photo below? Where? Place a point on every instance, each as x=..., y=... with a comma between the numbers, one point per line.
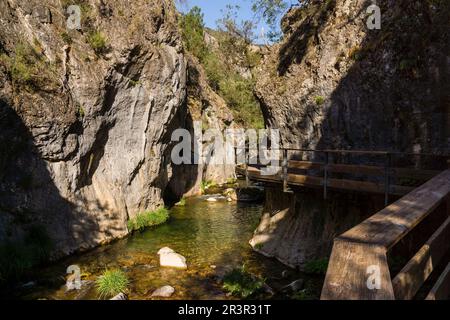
x=213, y=236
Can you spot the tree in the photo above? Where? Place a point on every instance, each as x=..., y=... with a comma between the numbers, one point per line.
x=192, y=28
x=271, y=11
x=229, y=23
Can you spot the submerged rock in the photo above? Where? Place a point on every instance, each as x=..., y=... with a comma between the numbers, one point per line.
x=164, y=292
x=295, y=286
x=231, y=194
x=171, y=259
x=120, y=296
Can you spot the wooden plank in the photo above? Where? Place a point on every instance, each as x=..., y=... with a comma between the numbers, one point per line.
x=391, y=224
x=347, y=275
x=441, y=290
x=409, y=280
x=341, y=184
x=357, y=169
x=412, y=173
x=305, y=165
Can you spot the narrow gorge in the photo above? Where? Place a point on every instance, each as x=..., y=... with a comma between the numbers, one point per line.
x=92, y=92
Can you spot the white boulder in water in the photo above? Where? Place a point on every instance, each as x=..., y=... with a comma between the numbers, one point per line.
x=211, y=200
x=171, y=259
x=164, y=292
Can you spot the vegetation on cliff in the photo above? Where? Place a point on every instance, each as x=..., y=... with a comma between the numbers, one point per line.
x=226, y=59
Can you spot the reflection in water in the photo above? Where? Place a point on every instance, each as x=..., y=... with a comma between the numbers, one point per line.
x=212, y=236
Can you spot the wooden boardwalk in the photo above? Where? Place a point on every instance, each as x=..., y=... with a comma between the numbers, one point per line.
x=359, y=267
x=368, y=244
x=349, y=177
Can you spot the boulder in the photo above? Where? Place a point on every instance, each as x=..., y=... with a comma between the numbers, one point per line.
x=171, y=259
x=164, y=292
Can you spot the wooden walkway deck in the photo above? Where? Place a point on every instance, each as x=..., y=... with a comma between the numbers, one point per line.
x=359, y=267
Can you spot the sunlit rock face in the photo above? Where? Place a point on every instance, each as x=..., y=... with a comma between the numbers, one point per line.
x=85, y=142
x=334, y=84
x=299, y=228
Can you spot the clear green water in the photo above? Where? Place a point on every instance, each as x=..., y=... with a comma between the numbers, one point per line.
x=212, y=236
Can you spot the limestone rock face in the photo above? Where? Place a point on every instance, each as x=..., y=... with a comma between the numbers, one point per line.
x=334, y=84
x=86, y=118
x=300, y=227
x=207, y=108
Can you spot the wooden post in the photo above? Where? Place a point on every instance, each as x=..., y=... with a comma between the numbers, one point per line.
x=325, y=175
x=448, y=196
x=246, y=159
x=285, y=170
x=387, y=169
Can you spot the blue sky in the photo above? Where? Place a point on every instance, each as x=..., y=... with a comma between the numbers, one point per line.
x=212, y=11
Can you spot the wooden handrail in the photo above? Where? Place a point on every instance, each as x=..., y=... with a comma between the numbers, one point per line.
x=368, y=152
x=367, y=244
x=391, y=224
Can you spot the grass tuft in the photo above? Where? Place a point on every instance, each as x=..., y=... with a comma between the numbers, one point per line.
x=111, y=283
x=97, y=41
x=148, y=219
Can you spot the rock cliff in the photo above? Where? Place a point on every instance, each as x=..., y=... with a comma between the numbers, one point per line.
x=333, y=83
x=86, y=115
x=207, y=108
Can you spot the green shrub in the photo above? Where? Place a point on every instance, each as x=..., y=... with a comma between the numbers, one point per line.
x=111, y=283
x=16, y=258
x=205, y=185
x=317, y=266
x=97, y=41
x=241, y=283
x=236, y=90
x=27, y=65
x=66, y=38
x=148, y=219
x=319, y=100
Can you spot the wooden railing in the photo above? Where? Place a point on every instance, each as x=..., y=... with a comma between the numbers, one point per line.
x=288, y=172
x=358, y=268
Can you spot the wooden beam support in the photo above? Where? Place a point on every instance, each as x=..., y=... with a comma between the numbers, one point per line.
x=441, y=290
x=409, y=280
